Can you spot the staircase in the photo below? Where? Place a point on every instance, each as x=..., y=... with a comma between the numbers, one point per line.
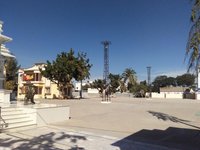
x=17, y=118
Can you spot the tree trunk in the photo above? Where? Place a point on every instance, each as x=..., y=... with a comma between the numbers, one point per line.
x=81, y=90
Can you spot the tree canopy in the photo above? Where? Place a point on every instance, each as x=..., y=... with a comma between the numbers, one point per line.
x=185, y=80
x=129, y=77
x=114, y=82
x=82, y=69
x=12, y=68
x=99, y=85
x=118, y=82
x=66, y=67
x=61, y=71
x=182, y=80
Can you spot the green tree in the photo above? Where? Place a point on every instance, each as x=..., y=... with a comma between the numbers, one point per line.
x=99, y=85
x=129, y=77
x=185, y=80
x=82, y=70
x=159, y=81
x=143, y=82
x=139, y=90
x=170, y=81
x=192, y=49
x=66, y=67
x=11, y=67
x=61, y=71
x=163, y=81
x=114, y=82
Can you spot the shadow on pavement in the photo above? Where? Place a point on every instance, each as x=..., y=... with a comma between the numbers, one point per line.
x=166, y=117
x=44, y=142
x=171, y=138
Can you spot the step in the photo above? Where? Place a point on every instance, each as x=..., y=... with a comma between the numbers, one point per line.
x=18, y=128
x=13, y=108
x=17, y=116
x=20, y=124
x=18, y=120
x=11, y=112
x=6, y=109
x=16, y=112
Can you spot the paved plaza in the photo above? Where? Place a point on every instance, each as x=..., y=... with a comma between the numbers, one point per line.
x=125, y=124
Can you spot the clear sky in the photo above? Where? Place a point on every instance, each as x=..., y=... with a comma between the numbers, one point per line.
x=143, y=32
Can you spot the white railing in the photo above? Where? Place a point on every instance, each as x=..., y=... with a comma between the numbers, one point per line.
x=3, y=124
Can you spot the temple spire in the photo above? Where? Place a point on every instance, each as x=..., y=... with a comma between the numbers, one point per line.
x=1, y=25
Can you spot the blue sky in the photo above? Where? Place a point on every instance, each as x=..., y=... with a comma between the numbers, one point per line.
x=143, y=32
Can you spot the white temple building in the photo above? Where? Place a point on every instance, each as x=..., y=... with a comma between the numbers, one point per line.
x=4, y=52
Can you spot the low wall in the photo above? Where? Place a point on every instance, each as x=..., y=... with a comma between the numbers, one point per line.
x=51, y=115
x=93, y=91
x=77, y=94
x=174, y=95
x=157, y=95
x=44, y=114
x=198, y=96
x=5, y=96
x=177, y=95
x=118, y=94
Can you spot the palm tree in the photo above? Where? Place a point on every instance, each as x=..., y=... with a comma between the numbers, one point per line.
x=129, y=76
x=193, y=43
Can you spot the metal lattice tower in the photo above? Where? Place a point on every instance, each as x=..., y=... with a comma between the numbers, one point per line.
x=149, y=79
x=106, y=60
x=148, y=75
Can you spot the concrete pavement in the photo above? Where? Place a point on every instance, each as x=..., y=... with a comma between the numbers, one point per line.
x=125, y=116
x=126, y=123
x=53, y=138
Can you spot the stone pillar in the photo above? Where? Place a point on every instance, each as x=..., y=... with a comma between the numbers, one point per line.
x=2, y=60
x=4, y=52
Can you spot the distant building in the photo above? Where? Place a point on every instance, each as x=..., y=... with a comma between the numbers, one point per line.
x=77, y=86
x=173, y=89
x=44, y=88
x=174, y=92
